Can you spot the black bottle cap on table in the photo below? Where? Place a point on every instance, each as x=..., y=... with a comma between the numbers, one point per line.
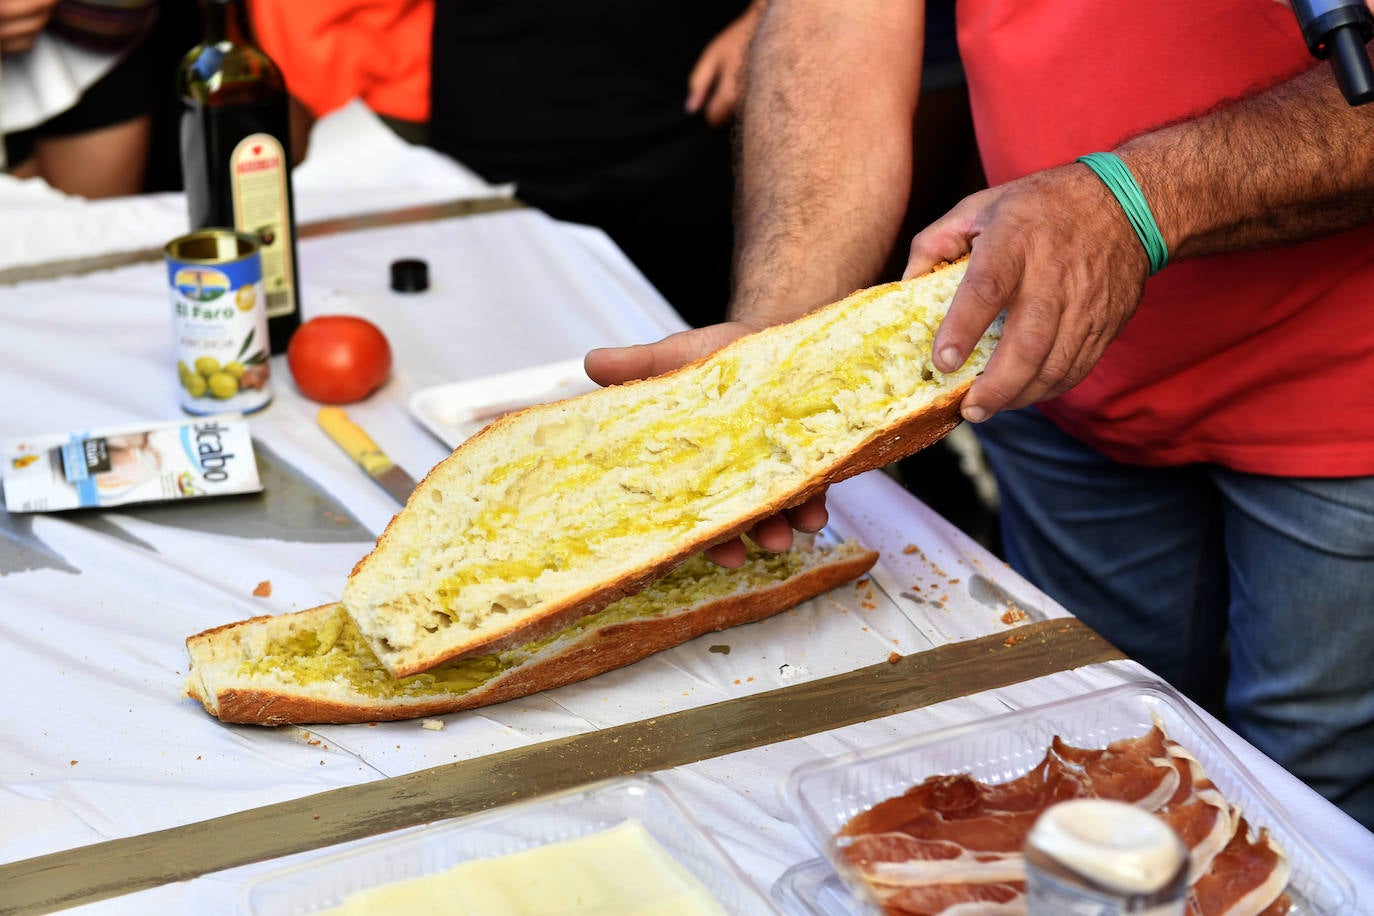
x=409, y=275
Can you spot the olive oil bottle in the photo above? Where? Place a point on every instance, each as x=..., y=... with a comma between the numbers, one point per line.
x=236, y=152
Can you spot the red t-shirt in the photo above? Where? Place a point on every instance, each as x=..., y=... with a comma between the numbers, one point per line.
x=1261, y=361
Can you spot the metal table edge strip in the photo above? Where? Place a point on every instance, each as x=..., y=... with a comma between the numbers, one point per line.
x=112, y=868
x=50, y=270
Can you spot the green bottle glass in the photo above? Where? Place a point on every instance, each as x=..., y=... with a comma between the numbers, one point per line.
x=236, y=153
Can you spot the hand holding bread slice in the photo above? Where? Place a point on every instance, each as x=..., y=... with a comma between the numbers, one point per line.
x=552, y=513
x=565, y=540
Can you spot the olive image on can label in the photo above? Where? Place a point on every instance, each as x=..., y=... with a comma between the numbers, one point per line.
x=219, y=314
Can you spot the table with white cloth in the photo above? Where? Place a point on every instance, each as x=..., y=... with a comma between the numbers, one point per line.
x=96, y=743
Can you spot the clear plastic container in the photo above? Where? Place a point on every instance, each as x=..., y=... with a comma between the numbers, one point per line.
x=825, y=795
x=325, y=882
x=814, y=888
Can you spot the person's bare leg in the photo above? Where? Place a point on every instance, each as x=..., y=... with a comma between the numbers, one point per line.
x=26, y=169
x=107, y=162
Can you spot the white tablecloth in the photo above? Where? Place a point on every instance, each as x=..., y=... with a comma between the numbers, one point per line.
x=94, y=607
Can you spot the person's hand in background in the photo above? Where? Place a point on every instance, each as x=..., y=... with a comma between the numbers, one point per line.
x=713, y=87
x=20, y=23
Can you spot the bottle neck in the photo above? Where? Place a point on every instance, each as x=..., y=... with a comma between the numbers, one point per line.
x=227, y=21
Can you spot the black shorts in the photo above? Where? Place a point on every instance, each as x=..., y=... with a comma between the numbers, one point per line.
x=120, y=95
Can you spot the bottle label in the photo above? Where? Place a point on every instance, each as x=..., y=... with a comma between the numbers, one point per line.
x=262, y=207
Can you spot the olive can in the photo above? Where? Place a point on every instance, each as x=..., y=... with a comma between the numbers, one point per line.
x=219, y=321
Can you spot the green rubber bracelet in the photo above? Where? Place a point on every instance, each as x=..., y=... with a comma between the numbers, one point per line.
x=1120, y=181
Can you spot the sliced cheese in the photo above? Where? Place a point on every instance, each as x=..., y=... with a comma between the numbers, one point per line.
x=620, y=871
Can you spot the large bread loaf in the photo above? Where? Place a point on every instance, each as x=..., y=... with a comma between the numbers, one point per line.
x=556, y=511
x=313, y=666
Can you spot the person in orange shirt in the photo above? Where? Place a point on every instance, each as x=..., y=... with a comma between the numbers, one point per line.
x=331, y=53
x=610, y=113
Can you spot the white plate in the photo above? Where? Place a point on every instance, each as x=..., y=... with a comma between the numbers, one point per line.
x=457, y=410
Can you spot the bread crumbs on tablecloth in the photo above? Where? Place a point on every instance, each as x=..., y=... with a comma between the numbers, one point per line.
x=263, y=589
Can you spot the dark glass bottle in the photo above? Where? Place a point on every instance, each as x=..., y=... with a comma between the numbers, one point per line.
x=236, y=152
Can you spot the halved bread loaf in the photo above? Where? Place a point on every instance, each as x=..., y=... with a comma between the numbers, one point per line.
x=313, y=666
x=553, y=512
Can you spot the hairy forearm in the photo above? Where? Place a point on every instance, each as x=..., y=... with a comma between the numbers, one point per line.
x=1286, y=165
x=824, y=151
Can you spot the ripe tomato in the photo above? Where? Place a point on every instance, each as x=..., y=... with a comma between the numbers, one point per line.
x=338, y=359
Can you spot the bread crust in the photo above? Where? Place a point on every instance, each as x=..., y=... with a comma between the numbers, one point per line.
x=900, y=438
x=594, y=652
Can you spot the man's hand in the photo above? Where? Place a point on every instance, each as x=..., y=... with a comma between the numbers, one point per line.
x=613, y=366
x=20, y=23
x=617, y=365
x=714, y=83
x=1057, y=253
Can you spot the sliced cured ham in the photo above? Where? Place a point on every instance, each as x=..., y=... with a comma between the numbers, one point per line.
x=997, y=816
x=1198, y=813
x=952, y=845
x=960, y=797
x=1135, y=770
x=957, y=899
x=901, y=859
x=1247, y=878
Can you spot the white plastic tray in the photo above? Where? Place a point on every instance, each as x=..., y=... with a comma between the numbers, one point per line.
x=322, y=883
x=825, y=795
x=813, y=888
x=457, y=410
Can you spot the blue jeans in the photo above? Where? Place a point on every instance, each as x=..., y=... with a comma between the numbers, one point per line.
x=1177, y=565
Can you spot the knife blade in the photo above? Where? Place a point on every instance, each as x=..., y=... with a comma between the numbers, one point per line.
x=355, y=441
